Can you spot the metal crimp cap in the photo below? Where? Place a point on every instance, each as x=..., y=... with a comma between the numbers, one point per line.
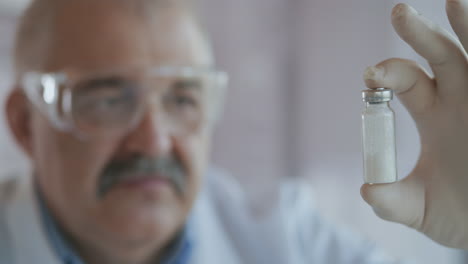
x=378, y=95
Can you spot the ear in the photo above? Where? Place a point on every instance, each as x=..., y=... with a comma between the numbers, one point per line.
x=19, y=119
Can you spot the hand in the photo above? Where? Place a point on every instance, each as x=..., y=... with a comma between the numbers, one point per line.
x=434, y=197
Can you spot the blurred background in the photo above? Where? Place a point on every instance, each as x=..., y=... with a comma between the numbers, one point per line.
x=293, y=108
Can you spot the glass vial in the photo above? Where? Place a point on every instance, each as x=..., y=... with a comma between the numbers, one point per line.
x=378, y=137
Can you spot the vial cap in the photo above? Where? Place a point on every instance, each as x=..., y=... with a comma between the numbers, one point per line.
x=377, y=95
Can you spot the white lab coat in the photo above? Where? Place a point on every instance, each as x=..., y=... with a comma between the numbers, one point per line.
x=228, y=229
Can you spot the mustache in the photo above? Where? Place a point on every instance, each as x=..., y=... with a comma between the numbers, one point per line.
x=168, y=168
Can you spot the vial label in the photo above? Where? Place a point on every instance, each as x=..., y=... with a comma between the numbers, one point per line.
x=379, y=150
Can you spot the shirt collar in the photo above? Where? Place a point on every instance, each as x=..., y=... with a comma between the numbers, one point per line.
x=179, y=251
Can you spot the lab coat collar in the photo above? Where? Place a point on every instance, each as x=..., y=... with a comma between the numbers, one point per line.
x=29, y=241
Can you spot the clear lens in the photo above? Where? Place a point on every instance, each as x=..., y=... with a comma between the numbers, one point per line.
x=185, y=99
x=105, y=104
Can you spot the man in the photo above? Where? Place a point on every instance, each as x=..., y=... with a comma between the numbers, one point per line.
x=114, y=106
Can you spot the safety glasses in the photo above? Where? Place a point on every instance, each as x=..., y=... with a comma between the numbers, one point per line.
x=102, y=104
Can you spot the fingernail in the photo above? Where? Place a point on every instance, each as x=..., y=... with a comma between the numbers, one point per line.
x=398, y=10
x=401, y=9
x=374, y=73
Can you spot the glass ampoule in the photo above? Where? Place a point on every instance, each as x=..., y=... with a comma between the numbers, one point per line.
x=378, y=137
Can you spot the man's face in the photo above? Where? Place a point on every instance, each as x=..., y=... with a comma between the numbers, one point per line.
x=93, y=36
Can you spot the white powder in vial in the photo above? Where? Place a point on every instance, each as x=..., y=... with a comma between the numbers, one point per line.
x=378, y=138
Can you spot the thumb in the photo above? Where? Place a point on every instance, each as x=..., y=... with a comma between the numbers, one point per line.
x=402, y=202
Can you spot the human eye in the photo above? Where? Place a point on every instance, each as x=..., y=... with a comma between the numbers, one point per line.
x=105, y=98
x=184, y=95
x=183, y=100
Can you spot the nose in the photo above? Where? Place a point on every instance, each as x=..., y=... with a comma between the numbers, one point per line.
x=151, y=137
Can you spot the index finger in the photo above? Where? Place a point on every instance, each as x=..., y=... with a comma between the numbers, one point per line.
x=457, y=11
x=443, y=52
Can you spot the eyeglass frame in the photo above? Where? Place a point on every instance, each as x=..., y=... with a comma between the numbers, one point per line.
x=53, y=82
